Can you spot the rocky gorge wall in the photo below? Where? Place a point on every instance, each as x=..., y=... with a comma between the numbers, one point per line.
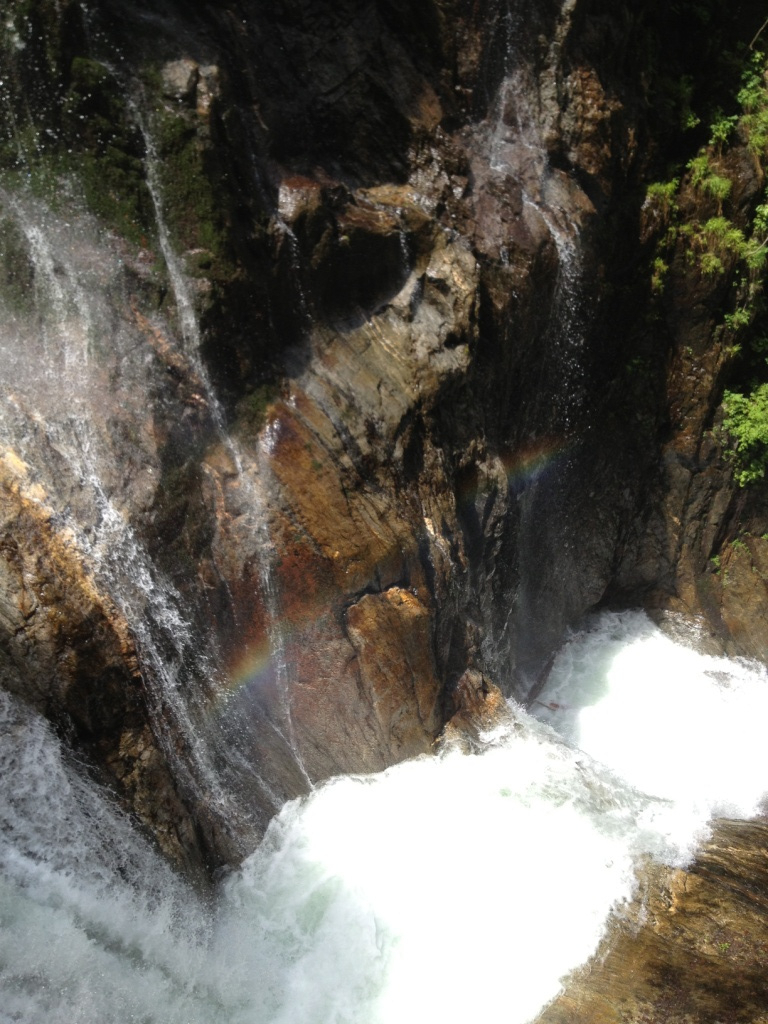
x=340, y=367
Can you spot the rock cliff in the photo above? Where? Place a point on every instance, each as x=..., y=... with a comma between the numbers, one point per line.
x=338, y=364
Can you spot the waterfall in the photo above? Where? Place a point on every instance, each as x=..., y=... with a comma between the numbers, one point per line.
x=77, y=380
x=252, y=472
x=450, y=887
x=60, y=380
x=443, y=888
x=517, y=149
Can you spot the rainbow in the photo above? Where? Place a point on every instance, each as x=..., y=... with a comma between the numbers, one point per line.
x=527, y=464
x=253, y=668
x=523, y=466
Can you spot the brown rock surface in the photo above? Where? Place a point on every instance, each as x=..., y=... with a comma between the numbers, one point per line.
x=692, y=949
x=67, y=649
x=480, y=708
x=390, y=633
x=51, y=604
x=352, y=596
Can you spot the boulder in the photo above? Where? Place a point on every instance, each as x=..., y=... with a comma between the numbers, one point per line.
x=180, y=78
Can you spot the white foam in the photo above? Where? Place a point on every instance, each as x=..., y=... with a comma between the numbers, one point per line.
x=670, y=721
x=444, y=889
x=440, y=887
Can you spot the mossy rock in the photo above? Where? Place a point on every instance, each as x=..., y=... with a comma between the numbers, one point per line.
x=107, y=150
x=252, y=410
x=190, y=205
x=92, y=141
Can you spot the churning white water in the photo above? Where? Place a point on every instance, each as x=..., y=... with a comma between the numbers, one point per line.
x=451, y=889
x=667, y=720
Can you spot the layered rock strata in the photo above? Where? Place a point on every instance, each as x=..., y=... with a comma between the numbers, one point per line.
x=693, y=947
x=360, y=359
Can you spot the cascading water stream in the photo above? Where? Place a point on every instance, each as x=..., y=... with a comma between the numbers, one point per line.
x=249, y=479
x=445, y=888
x=517, y=149
x=188, y=322
x=556, y=402
x=67, y=445
x=280, y=667
x=65, y=366
x=70, y=314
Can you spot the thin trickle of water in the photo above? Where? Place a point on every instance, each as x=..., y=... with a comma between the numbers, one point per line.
x=556, y=401
x=188, y=321
x=405, y=253
x=516, y=149
x=250, y=476
x=297, y=267
x=275, y=628
x=190, y=330
x=568, y=321
x=453, y=888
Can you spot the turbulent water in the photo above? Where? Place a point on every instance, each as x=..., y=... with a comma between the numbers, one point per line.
x=449, y=889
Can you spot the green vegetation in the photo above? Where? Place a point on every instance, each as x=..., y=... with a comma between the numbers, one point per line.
x=714, y=242
x=189, y=201
x=737, y=319
x=75, y=135
x=723, y=243
x=721, y=130
x=87, y=147
x=705, y=178
x=659, y=273
x=717, y=243
x=664, y=194
x=253, y=408
x=746, y=422
x=752, y=98
x=105, y=150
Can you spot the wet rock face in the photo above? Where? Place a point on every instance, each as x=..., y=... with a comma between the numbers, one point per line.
x=372, y=394
x=69, y=651
x=352, y=559
x=479, y=709
x=372, y=298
